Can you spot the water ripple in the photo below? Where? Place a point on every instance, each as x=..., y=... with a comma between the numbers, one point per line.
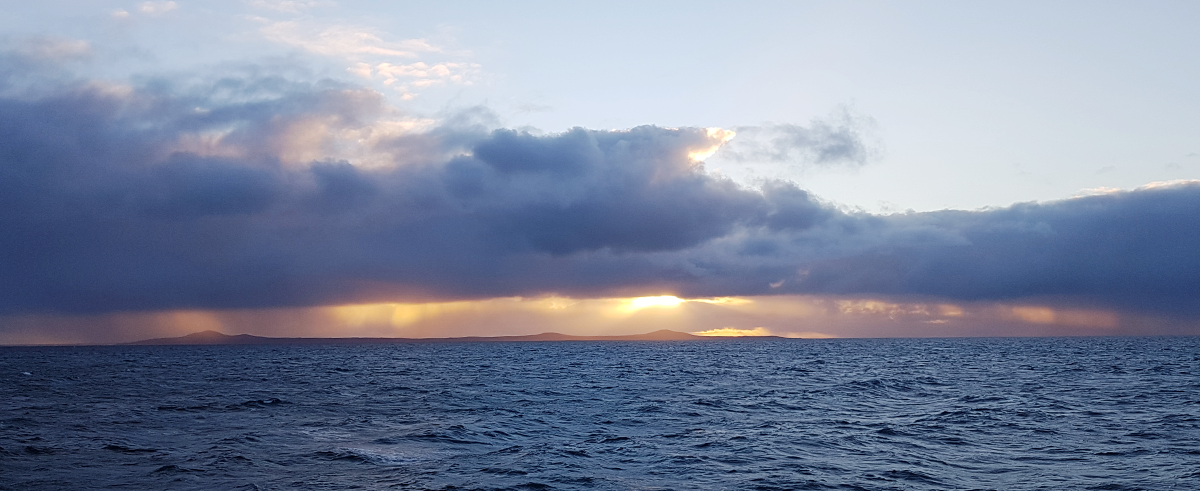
x=1079, y=413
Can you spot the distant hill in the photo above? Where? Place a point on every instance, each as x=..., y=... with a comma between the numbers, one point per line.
x=216, y=338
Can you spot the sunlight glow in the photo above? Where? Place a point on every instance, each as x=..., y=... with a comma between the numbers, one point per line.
x=720, y=136
x=399, y=314
x=659, y=301
x=1062, y=317
x=734, y=332
x=782, y=315
x=1083, y=193
x=809, y=335
x=950, y=310
x=722, y=300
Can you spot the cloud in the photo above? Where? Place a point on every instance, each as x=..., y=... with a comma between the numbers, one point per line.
x=1126, y=250
x=53, y=49
x=343, y=40
x=843, y=139
x=372, y=57
x=32, y=64
x=157, y=8
x=419, y=75
x=288, y=6
x=249, y=192
x=529, y=107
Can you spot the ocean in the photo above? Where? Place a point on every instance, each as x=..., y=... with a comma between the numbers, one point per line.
x=866, y=414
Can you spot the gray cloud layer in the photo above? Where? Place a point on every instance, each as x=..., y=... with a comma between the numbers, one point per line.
x=103, y=209
x=843, y=139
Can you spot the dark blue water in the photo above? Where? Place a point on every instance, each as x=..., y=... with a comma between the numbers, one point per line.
x=1081, y=413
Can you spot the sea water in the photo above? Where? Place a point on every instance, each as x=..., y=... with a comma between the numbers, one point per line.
x=904, y=414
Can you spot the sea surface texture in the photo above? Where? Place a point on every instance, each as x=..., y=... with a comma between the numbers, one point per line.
x=1073, y=413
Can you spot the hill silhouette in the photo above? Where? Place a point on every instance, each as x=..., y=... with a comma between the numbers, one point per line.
x=216, y=338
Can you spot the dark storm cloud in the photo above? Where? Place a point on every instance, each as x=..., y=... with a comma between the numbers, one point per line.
x=167, y=196
x=1130, y=250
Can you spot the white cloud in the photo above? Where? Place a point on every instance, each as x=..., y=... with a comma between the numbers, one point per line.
x=55, y=49
x=1097, y=191
x=287, y=6
x=346, y=41
x=419, y=75
x=157, y=8
x=373, y=56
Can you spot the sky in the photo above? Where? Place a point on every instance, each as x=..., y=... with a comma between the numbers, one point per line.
x=802, y=169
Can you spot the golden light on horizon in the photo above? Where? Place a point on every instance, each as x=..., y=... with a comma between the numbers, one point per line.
x=1066, y=317
x=193, y=320
x=640, y=303
x=722, y=300
x=622, y=315
x=792, y=316
x=734, y=332
x=760, y=331
x=950, y=310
